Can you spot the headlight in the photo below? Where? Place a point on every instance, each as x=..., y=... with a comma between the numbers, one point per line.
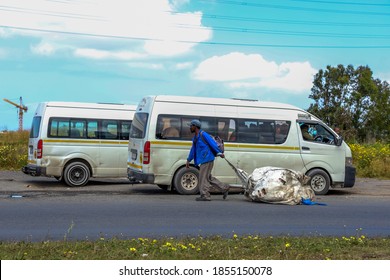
x=348, y=161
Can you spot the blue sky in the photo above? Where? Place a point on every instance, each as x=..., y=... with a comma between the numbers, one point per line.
x=120, y=50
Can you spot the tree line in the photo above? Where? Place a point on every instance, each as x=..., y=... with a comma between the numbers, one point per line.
x=354, y=101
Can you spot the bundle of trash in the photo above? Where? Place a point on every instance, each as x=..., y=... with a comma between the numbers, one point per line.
x=276, y=185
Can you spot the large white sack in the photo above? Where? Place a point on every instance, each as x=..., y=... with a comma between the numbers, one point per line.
x=278, y=185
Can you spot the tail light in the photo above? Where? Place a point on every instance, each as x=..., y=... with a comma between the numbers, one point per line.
x=40, y=148
x=146, y=153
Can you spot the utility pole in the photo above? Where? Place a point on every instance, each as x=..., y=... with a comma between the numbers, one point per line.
x=21, y=109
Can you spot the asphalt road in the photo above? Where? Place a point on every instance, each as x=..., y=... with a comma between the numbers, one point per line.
x=37, y=209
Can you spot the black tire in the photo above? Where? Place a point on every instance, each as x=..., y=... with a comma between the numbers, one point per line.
x=319, y=181
x=186, y=181
x=76, y=174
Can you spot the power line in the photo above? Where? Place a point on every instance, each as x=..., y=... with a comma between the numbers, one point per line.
x=296, y=22
x=343, y=3
x=203, y=43
x=290, y=33
x=48, y=13
x=282, y=7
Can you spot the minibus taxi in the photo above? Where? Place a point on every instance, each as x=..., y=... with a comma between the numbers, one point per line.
x=256, y=134
x=74, y=141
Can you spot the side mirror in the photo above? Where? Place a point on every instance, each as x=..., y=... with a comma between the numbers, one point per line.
x=339, y=141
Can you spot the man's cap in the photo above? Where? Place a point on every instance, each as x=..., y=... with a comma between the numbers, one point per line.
x=196, y=123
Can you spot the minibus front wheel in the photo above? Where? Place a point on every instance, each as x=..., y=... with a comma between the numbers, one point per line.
x=319, y=181
x=186, y=180
x=76, y=174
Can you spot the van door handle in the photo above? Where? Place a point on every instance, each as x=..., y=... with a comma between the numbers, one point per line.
x=305, y=148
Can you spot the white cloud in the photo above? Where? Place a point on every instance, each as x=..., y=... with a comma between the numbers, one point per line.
x=240, y=70
x=102, y=54
x=179, y=3
x=43, y=48
x=151, y=66
x=184, y=65
x=235, y=66
x=3, y=33
x=155, y=23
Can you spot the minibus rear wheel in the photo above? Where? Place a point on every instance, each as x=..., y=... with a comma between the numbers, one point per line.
x=319, y=181
x=76, y=174
x=186, y=181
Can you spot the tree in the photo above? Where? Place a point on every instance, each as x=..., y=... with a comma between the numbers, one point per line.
x=352, y=100
x=330, y=93
x=378, y=121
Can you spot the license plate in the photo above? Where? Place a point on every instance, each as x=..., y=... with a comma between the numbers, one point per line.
x=133, y=154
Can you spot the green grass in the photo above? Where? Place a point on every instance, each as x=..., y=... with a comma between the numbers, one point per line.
x=211, y=248
x=13, y=150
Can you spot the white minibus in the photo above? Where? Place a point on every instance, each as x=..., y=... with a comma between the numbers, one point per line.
x=256, y=134
x=74, y=141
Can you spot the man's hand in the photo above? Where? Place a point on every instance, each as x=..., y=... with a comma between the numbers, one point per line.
x=221, y=155
x=188, y=164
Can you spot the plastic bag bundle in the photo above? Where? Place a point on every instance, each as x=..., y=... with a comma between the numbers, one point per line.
x=278, y=185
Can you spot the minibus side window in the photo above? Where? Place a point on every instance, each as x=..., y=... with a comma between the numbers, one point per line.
x=281, y=131
x=109, y=129
x=185, y=132
x=138, y=126
x=125, y=129
x=267, y=132
x=316, y=133
x=168, y=127
x=58, y=128
x=209, y=125
x=248, y=131
x=92, y=129
x=323, y=135
x=36, y=124
x=77, y=129
x=226, y=129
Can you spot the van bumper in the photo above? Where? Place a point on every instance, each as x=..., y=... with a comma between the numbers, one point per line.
x=139, y=177
x=34, y=170
x=350, y=174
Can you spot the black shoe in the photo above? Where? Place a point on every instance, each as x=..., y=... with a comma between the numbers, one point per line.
x=225, y=194
x=202, y=198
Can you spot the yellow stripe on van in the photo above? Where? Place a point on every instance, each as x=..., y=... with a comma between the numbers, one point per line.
x=129, y=164
x=228, y=145
x=171, y=143
x=261, y=146
x=76, y=141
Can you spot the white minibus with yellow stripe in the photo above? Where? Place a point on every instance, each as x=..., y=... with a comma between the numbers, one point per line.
x=74, y=141
x=256, y=134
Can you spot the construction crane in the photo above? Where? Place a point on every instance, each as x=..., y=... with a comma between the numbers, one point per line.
x=21, y=109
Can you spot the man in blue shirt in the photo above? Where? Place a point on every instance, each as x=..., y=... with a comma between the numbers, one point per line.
x=203, y=152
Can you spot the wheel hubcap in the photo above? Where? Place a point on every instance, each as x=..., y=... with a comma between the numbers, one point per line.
x=189, y=181
x=318, y=183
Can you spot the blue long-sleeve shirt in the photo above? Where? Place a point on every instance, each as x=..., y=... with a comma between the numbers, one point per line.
x=202, y=152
